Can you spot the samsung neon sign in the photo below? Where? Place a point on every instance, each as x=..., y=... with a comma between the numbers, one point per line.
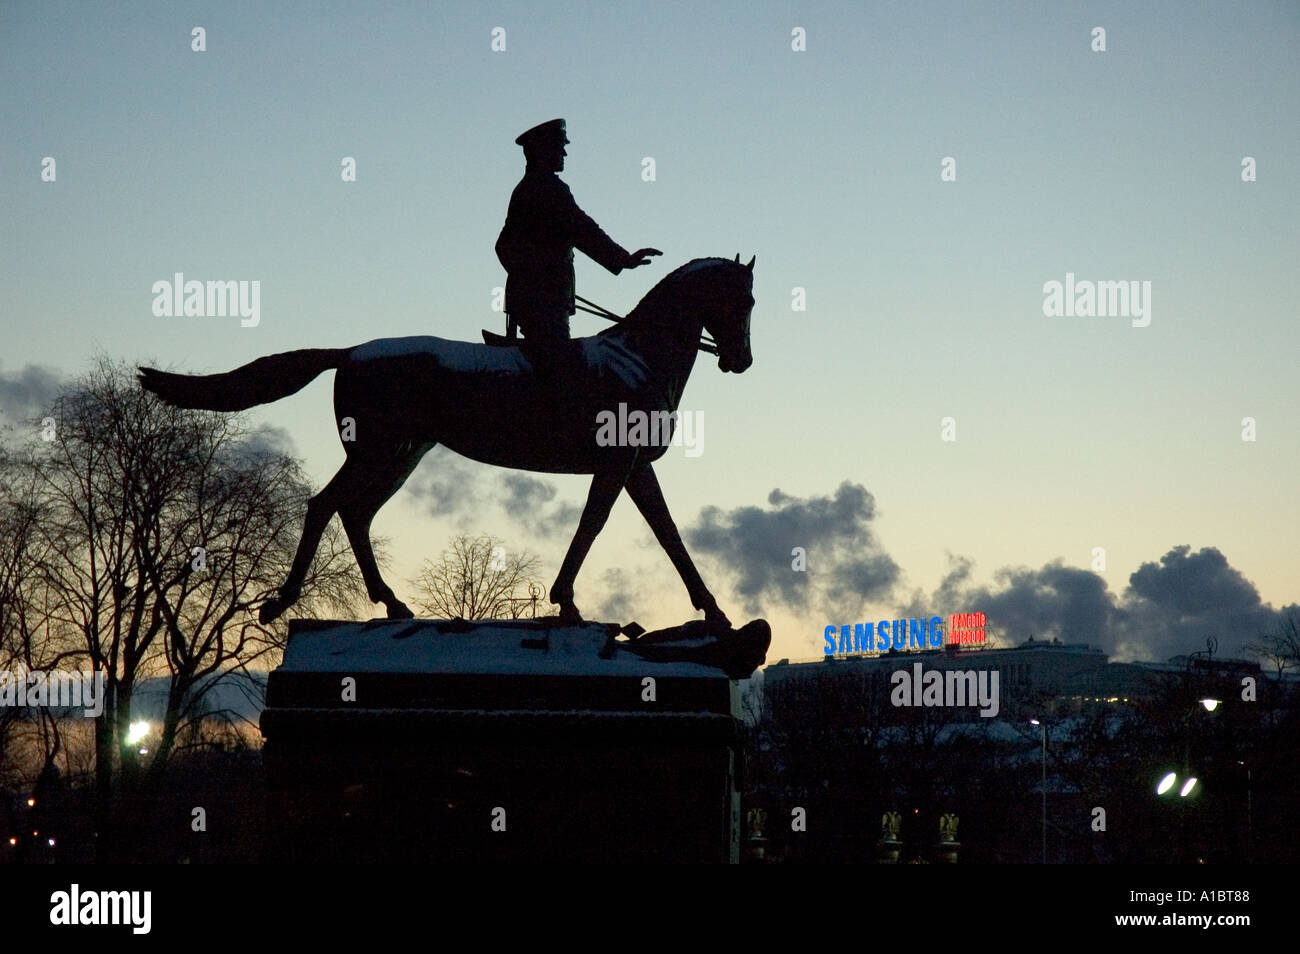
x=964, y=629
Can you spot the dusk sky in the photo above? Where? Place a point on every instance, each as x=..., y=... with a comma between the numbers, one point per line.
x=924, y=297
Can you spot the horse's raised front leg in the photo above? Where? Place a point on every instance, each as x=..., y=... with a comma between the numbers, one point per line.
x=605, y=486
x=643, y=488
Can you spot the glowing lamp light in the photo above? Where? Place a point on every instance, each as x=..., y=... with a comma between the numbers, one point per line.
x=137, y=732
x=13, y=841
x=1166, y=783
x=1034, y=722
x=1187, y=787
x=51, y=842
x=1210, y=704
x=31, y=803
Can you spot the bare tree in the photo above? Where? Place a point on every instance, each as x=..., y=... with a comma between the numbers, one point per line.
x=158, y=532
x=478, y=578
x=30, y=739
x=1280, y=648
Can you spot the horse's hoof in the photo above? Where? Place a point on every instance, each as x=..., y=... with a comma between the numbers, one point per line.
x=569, y=615
x=400, y=611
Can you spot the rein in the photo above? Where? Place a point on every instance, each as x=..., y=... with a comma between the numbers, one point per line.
x=706, y=344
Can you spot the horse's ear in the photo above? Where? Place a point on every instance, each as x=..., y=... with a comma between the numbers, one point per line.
x=750, y=266
x=737, y=258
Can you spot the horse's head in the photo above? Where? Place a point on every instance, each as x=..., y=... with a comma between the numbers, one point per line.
x=715, y=294
x=727, y=321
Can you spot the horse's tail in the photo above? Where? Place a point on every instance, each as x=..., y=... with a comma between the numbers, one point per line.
x=258, y=382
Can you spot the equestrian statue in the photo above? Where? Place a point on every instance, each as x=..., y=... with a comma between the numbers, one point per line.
x=531, y=405
x=406, y=395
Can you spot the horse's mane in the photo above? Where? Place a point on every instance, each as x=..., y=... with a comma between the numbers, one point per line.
x=653, y=302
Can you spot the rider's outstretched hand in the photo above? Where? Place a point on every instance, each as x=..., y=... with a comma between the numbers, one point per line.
x=640, y=257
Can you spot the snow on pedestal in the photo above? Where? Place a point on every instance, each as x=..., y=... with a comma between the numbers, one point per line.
x=487, y=646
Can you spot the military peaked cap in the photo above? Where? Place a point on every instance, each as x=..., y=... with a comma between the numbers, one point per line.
x=545, y=134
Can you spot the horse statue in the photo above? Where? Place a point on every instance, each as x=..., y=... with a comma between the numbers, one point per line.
x=396, y=398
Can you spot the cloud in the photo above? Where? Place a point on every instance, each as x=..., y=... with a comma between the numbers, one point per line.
x=526, y=498
x=620, y=602
x=1194, y=584
x=448, y=485
x=1054, y=602
x=846, y=567
x=28, y=393
x=1169, y=608
x=1174, y=606
x=950, y=592
x=267, y=441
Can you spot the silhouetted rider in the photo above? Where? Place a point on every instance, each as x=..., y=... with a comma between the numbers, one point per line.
x=542, y=228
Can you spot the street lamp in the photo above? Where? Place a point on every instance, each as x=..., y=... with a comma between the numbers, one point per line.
x=1043, y=727
x=1170, y=780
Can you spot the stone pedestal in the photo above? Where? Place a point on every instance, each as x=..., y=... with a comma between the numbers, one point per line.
x=429, y=741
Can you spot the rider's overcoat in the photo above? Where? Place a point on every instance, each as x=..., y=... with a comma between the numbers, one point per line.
x=542, y=228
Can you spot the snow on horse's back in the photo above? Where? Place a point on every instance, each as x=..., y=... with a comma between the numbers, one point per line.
x=603, y=352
